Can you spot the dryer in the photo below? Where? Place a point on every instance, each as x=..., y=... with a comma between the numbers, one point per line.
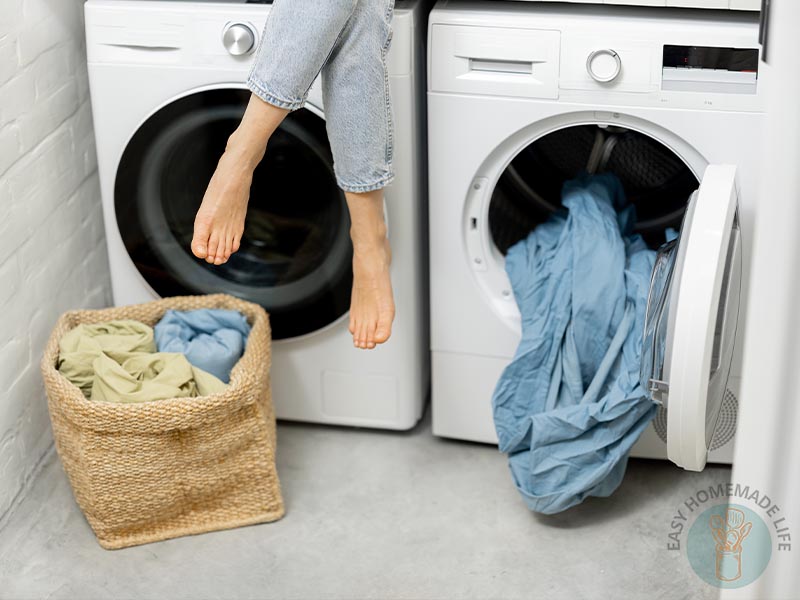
x=523, y=96
x=167, y=88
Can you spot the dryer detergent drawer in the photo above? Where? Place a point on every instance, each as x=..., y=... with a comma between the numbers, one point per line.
x=692, y=315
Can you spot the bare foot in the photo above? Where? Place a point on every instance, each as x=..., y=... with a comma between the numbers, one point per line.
x=219, y=223
x=372, y=301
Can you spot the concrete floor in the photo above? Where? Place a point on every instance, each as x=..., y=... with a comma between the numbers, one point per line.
x=374, y=515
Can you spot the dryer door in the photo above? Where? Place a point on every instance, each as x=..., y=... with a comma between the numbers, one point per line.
x=295, y=255
x=692, y=314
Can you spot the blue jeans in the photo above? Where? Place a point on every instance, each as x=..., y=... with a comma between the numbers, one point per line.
x=346, y=41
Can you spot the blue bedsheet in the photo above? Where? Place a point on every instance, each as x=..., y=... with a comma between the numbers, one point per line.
x=570, y=406
x=212, y=339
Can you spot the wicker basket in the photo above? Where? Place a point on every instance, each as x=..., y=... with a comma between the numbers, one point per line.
x=156, y=470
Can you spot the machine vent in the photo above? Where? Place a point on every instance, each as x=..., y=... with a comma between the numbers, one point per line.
x=726, y=426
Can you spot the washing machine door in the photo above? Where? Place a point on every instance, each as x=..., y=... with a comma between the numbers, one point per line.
x=295, y=256
x=692, y=315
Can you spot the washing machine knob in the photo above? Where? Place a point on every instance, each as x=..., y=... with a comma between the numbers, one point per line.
x=239, y=38
x=604, y=65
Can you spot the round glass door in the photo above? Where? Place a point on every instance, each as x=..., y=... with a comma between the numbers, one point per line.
x=295, y=257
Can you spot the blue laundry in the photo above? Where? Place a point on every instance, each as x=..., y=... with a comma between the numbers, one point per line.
x=569, y=406
x=211, y=339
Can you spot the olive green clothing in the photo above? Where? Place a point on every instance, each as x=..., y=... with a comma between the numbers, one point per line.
x=81, y=345
x=144, y=377
x=117, y=361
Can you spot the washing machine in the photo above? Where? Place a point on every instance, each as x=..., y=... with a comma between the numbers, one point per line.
x=167, y=83
x=524, y=96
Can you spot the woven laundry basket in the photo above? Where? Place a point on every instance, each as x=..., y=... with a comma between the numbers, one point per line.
x=151, y=471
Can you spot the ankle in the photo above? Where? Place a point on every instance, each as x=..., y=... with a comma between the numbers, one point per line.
x=369, y=238
x=246, y=149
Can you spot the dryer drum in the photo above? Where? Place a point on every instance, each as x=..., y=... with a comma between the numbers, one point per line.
x=655, y=179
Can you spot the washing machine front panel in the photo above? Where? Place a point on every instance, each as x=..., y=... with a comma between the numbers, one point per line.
x=701, y=116
x=295, y=256
x=707, y=419
x=142, y=56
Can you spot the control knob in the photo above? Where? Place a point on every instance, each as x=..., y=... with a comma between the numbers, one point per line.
x=239, y=38
x=604, y=65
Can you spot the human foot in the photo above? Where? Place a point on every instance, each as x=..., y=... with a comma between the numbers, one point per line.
x=372, y=302
x=219, y=223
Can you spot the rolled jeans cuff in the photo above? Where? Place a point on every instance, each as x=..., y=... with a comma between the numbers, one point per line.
x=361, y=188
x=271, y=98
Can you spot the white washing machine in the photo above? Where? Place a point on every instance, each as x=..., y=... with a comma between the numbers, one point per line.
x=523, y=96
x=166, y=92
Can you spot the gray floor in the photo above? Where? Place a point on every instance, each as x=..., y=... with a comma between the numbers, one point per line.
x=374, y=515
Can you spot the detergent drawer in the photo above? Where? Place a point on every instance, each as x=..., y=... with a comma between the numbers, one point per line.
x=495, y=61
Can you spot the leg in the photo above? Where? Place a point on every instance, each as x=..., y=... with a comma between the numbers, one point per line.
x=298, y=38
x=358, y=112
x=371, y=301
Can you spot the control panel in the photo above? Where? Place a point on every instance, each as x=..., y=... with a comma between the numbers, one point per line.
x=682, y=63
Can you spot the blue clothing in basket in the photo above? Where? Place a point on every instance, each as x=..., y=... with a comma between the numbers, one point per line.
x=212, y=339
x=570, y=406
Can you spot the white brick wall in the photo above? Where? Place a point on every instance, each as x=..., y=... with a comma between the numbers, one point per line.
x=52, y=246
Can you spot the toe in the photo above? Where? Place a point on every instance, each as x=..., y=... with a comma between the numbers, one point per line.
x=382, y=335
x=383, y=330
x=370, y=334
x=237, y=240
x=200, y=239
x=228, y=248
x=366, y=335
x=361, y=335
x=219, y=258
x=213, y=244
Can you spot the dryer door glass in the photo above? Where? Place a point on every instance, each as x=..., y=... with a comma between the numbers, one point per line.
x=295, y=256
x=692, y=315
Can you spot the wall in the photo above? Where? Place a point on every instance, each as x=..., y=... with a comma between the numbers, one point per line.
x=52, y=245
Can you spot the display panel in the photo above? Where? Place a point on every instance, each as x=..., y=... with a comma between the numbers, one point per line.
x=709, y=70
x=708, y=57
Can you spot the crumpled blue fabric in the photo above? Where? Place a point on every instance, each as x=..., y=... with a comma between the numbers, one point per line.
x=569, y=406
x=212, y=339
